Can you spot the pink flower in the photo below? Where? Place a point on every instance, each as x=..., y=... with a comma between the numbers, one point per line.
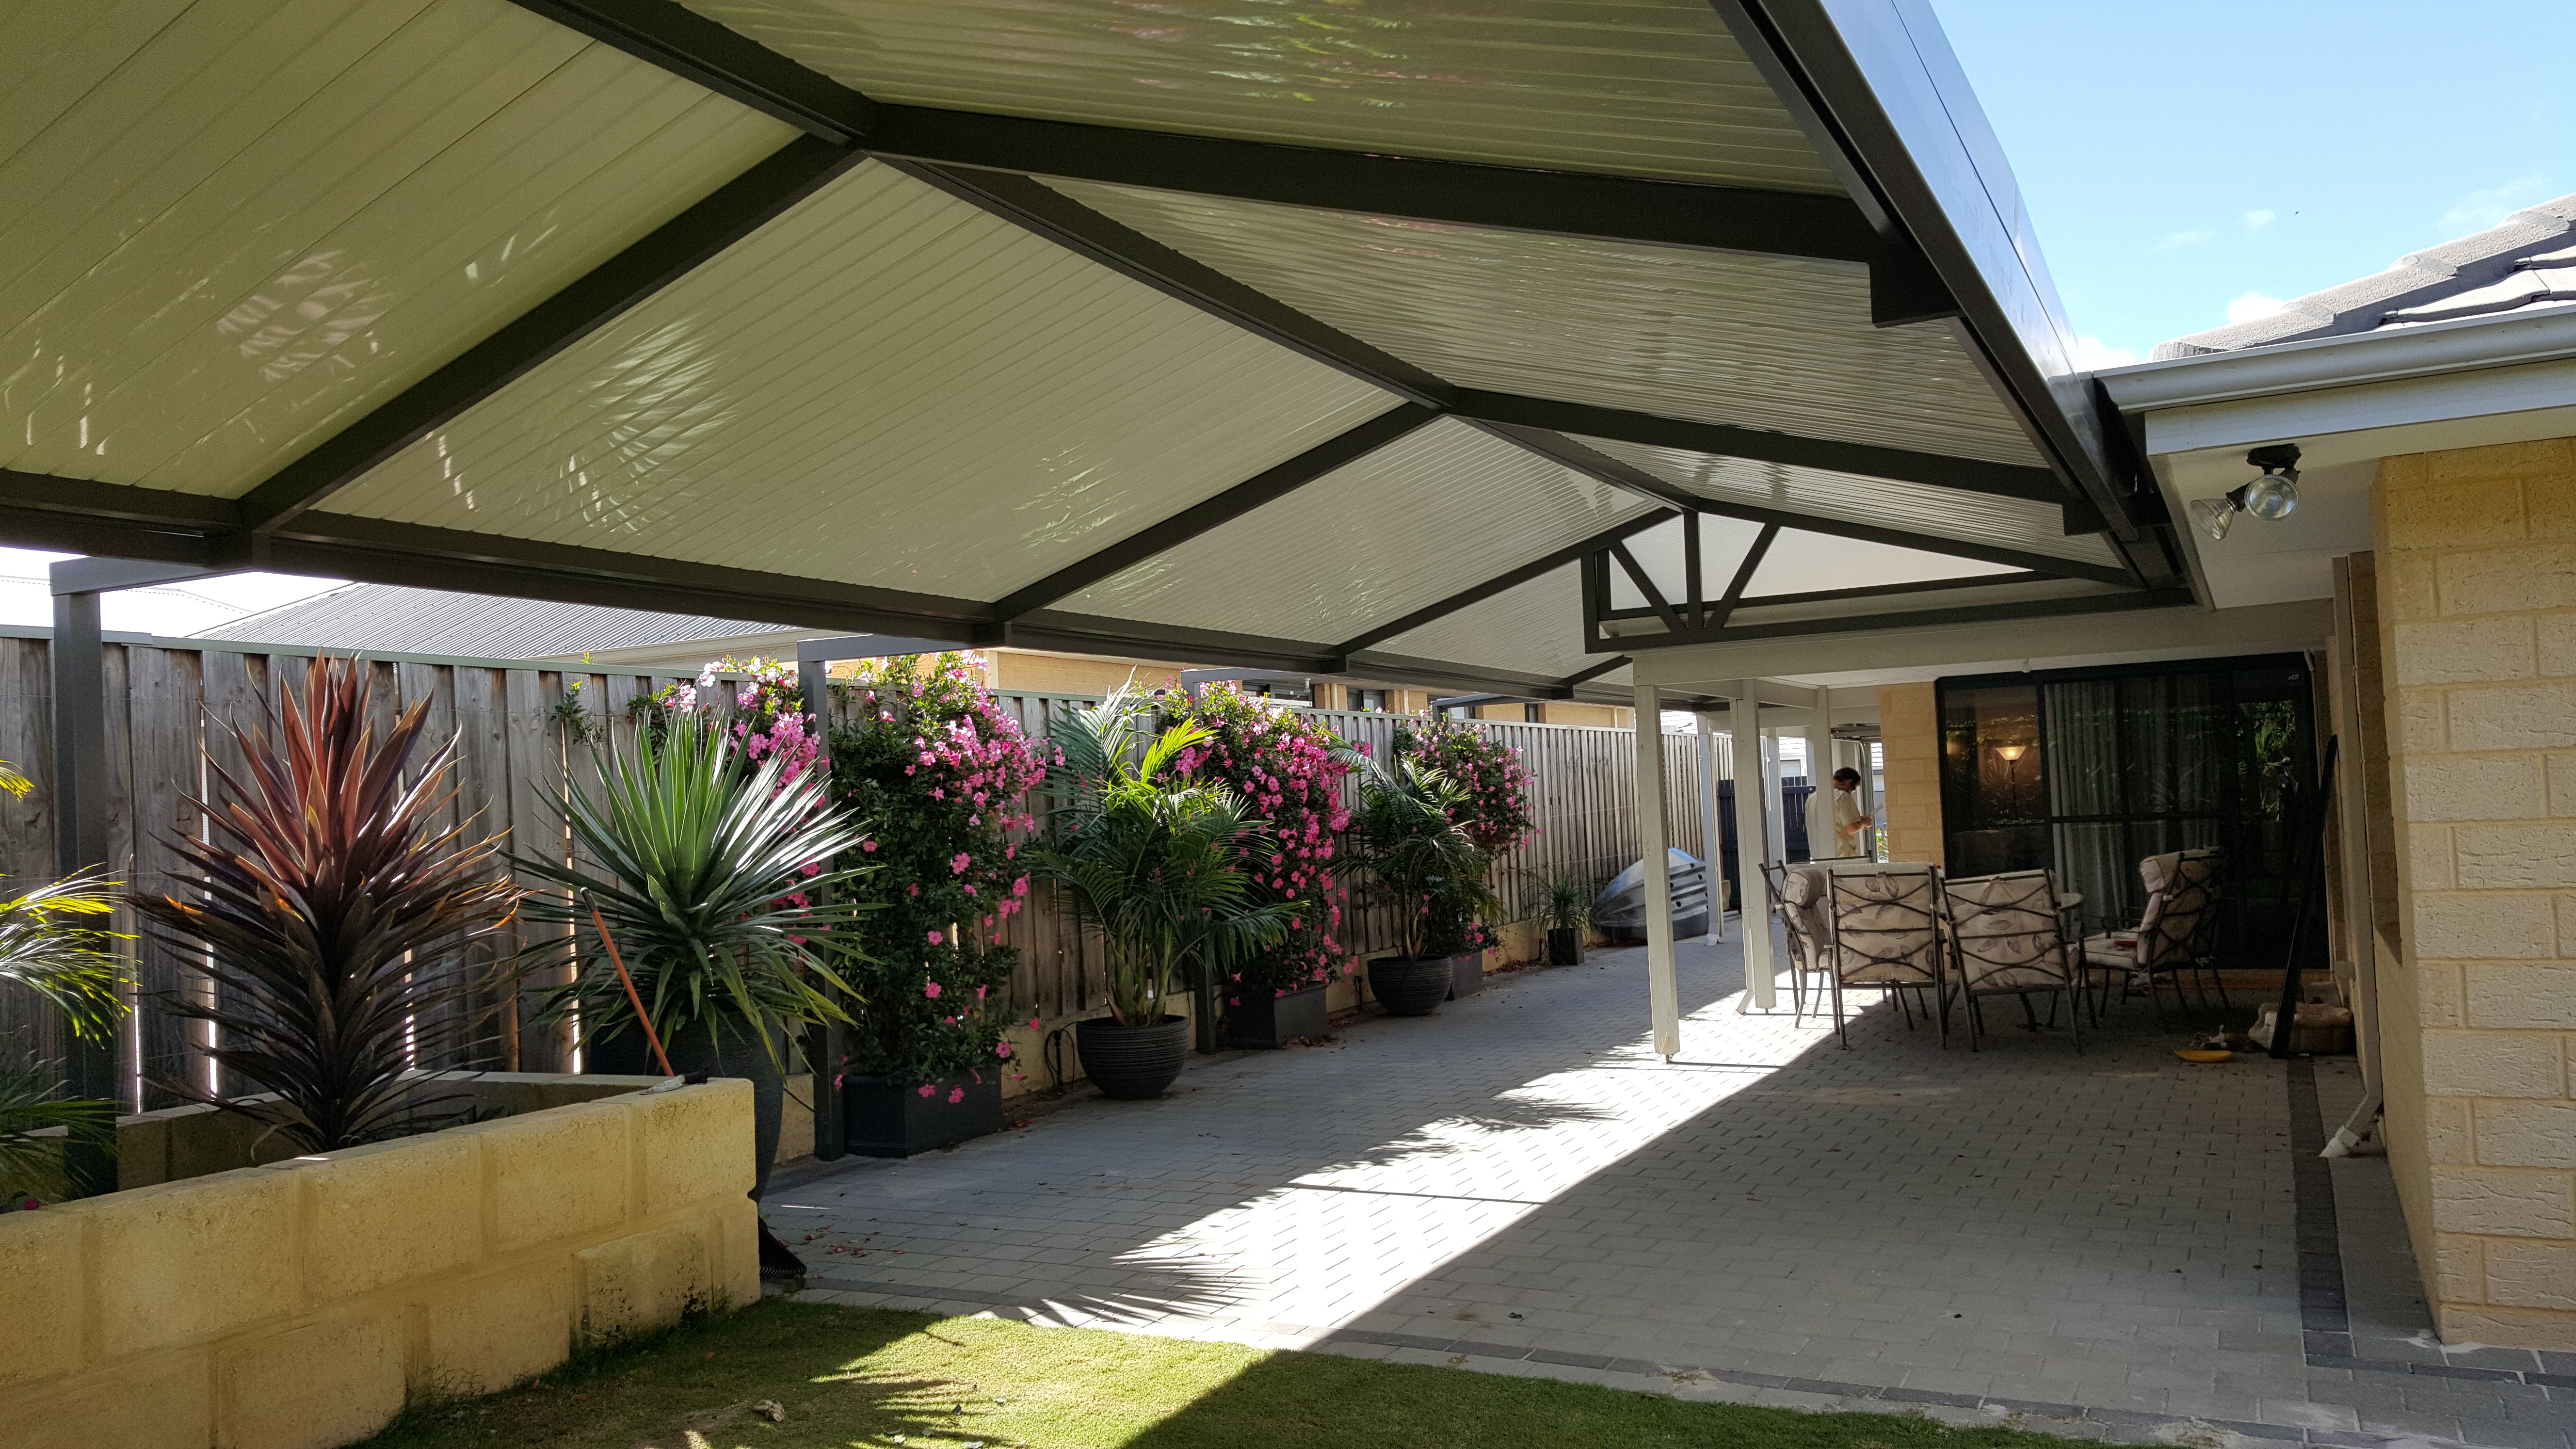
x=958, y=865
x=927, y=1089
x=956, y=1094
x=1002, y=1049
x=932, y=989
x=869, y=846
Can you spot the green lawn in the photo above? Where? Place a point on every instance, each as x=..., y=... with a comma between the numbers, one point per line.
x=865, y=1377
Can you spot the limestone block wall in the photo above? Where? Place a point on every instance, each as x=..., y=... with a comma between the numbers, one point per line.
x=2476, y=553
x=1909, y=729
x=301, y=1304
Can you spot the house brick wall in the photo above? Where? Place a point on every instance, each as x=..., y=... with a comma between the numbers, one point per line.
x=1909, y=731
x=2476, y=555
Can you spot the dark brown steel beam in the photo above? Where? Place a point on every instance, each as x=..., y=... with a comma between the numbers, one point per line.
x=1536, y=568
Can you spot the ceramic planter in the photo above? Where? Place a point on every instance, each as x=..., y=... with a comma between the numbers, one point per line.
x=1565, y=946
x=1412, y=986
x=885, y=1117
x=1132, y=1062
x=1263, y=1020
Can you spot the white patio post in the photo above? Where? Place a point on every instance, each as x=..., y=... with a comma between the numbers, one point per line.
x=1752, y=841
x=1821, y=844
x=1775, y=818
x=1663, y=993
x=1711, y=848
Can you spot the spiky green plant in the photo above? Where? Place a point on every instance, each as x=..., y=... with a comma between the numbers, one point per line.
x=341, y=922
x=1153, y=861
x=710, y=869
x=1415, y=859
x=53, y=942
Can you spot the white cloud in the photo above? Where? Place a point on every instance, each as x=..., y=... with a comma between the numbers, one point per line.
x=2482, y=209
x=2253, y=305
x=2092, y=354
x=2261, y=218
x=2184, y=239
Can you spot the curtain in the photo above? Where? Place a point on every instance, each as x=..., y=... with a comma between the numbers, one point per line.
x=2080, y=724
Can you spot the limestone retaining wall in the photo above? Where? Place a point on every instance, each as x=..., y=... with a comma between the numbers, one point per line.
x=301, y=1304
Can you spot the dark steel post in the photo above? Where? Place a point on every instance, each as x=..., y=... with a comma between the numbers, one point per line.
x=80, y=827
x=823, y=1048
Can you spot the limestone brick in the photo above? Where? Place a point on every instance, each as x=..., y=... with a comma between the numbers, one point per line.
x=2459, y=1268
x=2456, y=514
x=2508, y=580
x=40, y=1295
x=553, y=1174
x=165, y=1262
x=2566, y=925
x=496, y=1331
x=2475, y=787
x=314, y=1387
x=390, y=1213
x=2525, y=1134
x=2520, y=997
x=2504, y=717
x=2492, y=1064
x=2481, y=467
x=2482, y=927
x=161, y=1402
x=734, y=1235
x=2517, y=1327
x=2437, y=997
x=2447, y=1137
x=2462, y=651
x=2515, y=857
x=2406, y=589
x=2561, y=773
x=2549, y=504
x=2419, y=722
x=2428, y=858
x=642, y=1282
x=2501, y=1204
x=694, y=1145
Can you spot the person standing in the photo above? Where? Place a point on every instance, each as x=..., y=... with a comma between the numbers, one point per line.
x=1851, y=825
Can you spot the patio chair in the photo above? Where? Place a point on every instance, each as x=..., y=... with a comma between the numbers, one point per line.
x=2008, y=938
x=1886, y=933
x=1798, y=899
x=2176, y=933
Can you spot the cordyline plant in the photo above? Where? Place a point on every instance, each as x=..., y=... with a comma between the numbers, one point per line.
x=343, y=926
x=1153, y=860
x=709, y=870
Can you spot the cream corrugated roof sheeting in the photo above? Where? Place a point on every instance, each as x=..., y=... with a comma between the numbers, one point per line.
x=1536, y=628
x=1355, y=547
x=883, y=386
x=235, y=227
x=1780, y=343
x=1638, y=87
x=2019, y=523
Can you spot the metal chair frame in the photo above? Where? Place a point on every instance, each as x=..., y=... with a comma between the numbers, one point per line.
x=2192, y=895
x=1806, y=953
x=1890, y=968
x=1977, y=955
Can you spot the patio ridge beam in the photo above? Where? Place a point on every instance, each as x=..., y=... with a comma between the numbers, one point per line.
x=2000, y=611
x=662, y=256
x=1611, y=471
x=1536, y=568
x=1267, y=486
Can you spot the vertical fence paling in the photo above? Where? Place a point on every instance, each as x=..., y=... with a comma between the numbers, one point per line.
x=514, y=754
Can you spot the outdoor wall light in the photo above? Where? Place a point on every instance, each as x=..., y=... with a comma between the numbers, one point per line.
x=2273, y=496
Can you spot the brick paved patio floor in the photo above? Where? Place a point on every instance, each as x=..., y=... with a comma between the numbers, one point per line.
x=2106, y=1245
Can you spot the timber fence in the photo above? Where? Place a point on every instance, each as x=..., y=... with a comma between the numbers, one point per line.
x=523, y=731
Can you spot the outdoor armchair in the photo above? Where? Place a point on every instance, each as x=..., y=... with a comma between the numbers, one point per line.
x=2176, y=933
x=1886, y=933
x=1798, y=898
x=2007, y=937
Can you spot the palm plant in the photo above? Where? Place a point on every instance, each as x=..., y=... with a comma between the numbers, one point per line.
x=1417, y=859
x=344, y=926
x=709, y=872
x=1569, y=905
x=51, y=945
x=1152, y=861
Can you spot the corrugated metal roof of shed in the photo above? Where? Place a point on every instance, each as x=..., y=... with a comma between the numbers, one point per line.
x=1635, y=87
x=1350, y=549
x=382, y=617
x=1782, y=343
x=884, y=386
x=235, y=227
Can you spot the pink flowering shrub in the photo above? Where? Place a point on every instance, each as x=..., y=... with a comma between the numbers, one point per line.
x=1287, y=768
x=920, y=750
x=1494, y=808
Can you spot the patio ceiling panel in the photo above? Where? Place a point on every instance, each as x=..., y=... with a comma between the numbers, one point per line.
x=1978, y=518
x=1416, y=522
x=1628, y=87
x=235, y=227
x=885, y=386
x=1535, y=628
x=1778, y=343
x=1800, y=562
x=1664, y=553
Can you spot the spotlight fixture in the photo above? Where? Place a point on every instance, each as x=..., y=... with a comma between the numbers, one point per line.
x=2272, y=496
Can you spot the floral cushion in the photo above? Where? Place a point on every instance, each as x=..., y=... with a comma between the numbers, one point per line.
x=1886, y=923
x=2006, y=933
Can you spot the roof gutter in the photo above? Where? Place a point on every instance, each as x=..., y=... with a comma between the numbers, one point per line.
x=2436, y=348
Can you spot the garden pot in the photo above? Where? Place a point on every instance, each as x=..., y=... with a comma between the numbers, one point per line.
x=1132, y=1062
x=884, y=1117
x=1262, y=1020
x=1466, y=974
x=1565, y=946
x=697, y=1051
x=1411, y=986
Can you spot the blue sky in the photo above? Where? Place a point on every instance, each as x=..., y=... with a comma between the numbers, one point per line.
x=2181, y=156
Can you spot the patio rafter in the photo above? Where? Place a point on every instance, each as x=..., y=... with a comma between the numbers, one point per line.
x=1503, y=582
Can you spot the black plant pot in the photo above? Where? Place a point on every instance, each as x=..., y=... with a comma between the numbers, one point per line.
x=1565, y=946
x=884, y=1117
x=1132, y=1062
x=1263, y=1020
x=701, y=1050
x=1466, y=974
x=1411, y=986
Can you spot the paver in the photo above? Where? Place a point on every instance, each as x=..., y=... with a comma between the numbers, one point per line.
x=2108, y=1241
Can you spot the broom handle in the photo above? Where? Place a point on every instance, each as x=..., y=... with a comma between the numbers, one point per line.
x=610, y=942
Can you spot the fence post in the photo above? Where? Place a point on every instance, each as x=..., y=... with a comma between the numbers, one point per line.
x=80, y=826
x=823, y=1040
